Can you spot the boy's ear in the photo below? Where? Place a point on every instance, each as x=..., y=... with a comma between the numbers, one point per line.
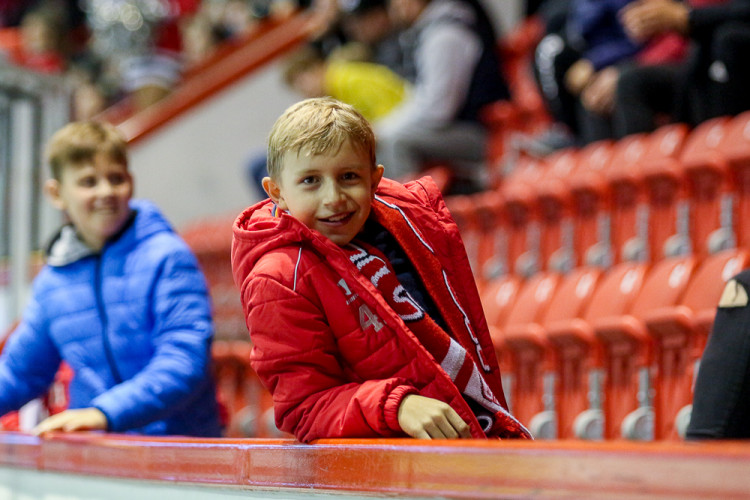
x=274, y=192
x=377, y=176
x=52, y=190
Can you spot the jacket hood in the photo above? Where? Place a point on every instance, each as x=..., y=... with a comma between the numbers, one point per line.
x=256, y=231
x=66, y=246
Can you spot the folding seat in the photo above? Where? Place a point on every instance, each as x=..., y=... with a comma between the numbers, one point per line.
x=572, y=361
x=240, y=391
x=592, y=205
x=494, y=224
x=518, y=193
x=498, y=297
x=680, y=332
x=734, y=148
x=628, y=208
x=710, y=188
x=667, y=192
x=555, y=202
x=528, y=352
x=482, y=225
x=579, y=353
x=628, y=350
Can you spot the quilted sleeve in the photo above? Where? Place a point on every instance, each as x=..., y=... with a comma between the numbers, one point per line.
x=28, y=362
x=180, y=366
x=295, y=355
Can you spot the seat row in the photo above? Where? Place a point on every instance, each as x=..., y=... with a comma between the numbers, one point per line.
x=671, y=192
x=607, y=354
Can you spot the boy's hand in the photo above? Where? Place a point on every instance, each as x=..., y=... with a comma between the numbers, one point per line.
x=427, y=418
x=73, y=420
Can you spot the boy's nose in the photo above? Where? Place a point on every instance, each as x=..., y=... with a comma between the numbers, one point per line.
x=105, y=188
x=333, y=194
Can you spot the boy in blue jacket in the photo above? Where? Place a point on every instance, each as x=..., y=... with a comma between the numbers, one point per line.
x=121, y=300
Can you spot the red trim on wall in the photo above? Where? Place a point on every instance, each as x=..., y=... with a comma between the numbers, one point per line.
x=458, y=469
x=227, y=67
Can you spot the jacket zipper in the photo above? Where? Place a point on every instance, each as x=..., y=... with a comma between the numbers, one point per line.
x=105, y=321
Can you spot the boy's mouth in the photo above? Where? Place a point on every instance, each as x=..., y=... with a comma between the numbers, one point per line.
x=338, y=218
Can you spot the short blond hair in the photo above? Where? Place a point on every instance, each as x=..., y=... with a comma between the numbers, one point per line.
x=317, y=126
x=79, y=142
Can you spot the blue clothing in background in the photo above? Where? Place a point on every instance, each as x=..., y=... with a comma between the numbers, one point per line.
x=595, y=30
x=134, y=324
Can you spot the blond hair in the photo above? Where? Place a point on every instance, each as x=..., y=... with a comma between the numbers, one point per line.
x=317, y=126
x=79, y=142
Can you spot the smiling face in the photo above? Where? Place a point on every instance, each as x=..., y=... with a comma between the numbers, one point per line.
x=331, y=192
x=94, y=195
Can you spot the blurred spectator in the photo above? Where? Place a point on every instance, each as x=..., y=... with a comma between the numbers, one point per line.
x=712, y=82
x=457, y=73
x=140, y=41
x=368, y=22
x=373, y=89
x=42, y=35
x=200, y=39
x=580, y=62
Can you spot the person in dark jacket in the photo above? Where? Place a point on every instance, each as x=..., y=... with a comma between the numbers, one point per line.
x=711, y=82
x=721, y=402
x=121, y=300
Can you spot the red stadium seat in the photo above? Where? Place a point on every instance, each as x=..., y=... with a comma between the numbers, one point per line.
x=529, y=353
x=519, y=204
x=574, y=360
x=592, y=205
x=628, y=203
x=680, y=332
x=710, y=188
x=554, y=199
x=667, y=194
x=498, y=297
x=483, y=227
x=581, y=363
x=734, y=147
x=628, y=350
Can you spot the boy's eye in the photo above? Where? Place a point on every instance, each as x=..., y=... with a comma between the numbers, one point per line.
x=350, y=176
x=308, y=180
x=117, y=179
x=88, y=181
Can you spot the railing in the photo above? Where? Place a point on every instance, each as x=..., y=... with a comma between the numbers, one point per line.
x=32, y=107
x=451, y=469
x=235, y=61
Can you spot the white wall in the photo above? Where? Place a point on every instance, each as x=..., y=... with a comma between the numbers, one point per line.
x=195, y=165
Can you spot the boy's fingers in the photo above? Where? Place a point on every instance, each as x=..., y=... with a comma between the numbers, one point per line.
x=48, y=424
x=457, y=422
x=447, y=429
x=434, y=431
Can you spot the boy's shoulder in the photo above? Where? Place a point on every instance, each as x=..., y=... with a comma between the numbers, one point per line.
x=421, y=191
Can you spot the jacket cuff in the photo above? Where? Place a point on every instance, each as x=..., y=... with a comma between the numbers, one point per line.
x=101, y=404
x=392, y=404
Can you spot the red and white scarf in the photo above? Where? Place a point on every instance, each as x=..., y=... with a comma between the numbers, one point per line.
x=448, y=349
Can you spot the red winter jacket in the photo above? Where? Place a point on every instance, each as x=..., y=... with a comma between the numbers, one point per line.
x=316, y=323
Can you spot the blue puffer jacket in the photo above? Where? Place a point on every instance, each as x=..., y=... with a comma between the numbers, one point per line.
x=133, y=322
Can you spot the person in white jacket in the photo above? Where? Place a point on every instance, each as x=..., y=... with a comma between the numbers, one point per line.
x=457, y=72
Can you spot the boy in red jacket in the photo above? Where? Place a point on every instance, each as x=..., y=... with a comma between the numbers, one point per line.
x=358, y=295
